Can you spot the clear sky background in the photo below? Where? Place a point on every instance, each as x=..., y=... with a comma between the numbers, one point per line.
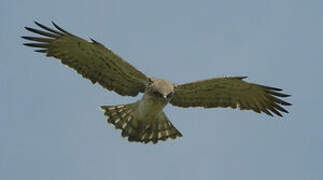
x=51, y=126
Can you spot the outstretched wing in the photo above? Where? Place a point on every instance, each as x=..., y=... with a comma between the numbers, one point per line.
x=90, y=59
x=230, y=92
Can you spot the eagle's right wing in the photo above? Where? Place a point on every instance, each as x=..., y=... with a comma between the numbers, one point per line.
x=90, y=59
x=230, y=92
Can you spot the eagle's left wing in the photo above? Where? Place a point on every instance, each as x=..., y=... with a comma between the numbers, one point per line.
x=90, y=59
x=230, y=92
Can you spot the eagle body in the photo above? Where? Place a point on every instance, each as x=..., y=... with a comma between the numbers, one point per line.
x=149, y=106
x=144, y=120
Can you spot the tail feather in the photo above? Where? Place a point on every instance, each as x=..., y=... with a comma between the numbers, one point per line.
x=122, y=117
x=140, y=130
x=160, y=129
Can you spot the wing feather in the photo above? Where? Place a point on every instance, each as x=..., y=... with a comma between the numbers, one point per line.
x=230, y=92
x=90, y=59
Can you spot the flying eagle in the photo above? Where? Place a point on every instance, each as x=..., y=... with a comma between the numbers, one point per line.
x=144, y=120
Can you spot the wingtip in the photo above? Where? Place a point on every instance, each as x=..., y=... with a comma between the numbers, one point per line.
x=288, y=104
x=277, y=113
x=26, y=37
x=38, y=24
x=284, y=112
x=285, y=95
x=27, y=28
x=41, y=50
x=56, y=26
x=271, y=88
x=61, y=29
x=53, y=23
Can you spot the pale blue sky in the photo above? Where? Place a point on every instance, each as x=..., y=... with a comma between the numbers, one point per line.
x=51, y=126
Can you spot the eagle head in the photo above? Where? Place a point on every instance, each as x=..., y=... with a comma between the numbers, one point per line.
x=161, y=88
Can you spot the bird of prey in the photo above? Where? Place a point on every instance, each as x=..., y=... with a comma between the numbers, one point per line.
x=144, y=120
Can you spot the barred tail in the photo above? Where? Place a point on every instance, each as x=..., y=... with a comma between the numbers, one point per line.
x=140, y=130
x=160, y=128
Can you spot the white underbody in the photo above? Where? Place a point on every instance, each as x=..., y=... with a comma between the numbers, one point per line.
x=149, y=106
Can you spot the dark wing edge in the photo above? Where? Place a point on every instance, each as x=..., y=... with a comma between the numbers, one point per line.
x=90, y=59
x=231, y=92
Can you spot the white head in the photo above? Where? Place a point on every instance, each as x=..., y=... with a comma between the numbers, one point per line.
x=161, y=88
